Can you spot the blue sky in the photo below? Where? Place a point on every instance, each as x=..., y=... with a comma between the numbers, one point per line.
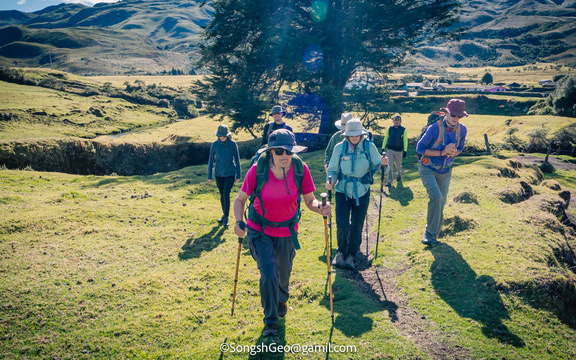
x=35, y=5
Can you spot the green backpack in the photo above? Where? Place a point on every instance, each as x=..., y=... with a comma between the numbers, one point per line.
x=262, y=173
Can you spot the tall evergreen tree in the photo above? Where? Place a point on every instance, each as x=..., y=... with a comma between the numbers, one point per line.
x=253, y=47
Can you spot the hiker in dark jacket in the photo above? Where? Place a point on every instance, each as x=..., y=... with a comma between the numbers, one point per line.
x=278, y=123
x=225, y=160
x=352, y=164
x=273, y=219
x=441, y=143
x=396, y=145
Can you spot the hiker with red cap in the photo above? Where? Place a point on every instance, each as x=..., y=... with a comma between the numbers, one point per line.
x=440, y=144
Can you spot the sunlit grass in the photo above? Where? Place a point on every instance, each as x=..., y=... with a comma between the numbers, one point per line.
x=114, y=267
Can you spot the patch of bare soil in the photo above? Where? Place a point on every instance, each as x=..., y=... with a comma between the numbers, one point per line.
x=380, y=284
x=535, y=160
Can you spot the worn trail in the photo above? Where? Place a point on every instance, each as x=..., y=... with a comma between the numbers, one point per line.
x=380, y=283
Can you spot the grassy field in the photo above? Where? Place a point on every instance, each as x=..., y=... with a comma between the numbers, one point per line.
x=137, y=267
x=46, y=113
x=180, y=81
x=528, y=74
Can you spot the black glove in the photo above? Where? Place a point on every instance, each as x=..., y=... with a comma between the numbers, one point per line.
x=403, y=154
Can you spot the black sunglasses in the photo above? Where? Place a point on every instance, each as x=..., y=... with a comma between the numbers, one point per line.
x=280, y=151
x=455, y=116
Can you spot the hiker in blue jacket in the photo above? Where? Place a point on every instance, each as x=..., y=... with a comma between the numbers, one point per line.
x=225, y=160
x=441, y=143
x=353, y=162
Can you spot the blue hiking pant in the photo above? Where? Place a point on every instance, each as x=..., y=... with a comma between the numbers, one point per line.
x=437, y=186
x=225, y=184
x=349, y=221
x=274, y=256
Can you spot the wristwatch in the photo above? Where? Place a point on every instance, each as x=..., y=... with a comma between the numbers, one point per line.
x=242, y=224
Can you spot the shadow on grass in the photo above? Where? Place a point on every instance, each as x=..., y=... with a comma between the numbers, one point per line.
x=471, y=296
x=194, y=247
x=401, y=193
x=351, y=306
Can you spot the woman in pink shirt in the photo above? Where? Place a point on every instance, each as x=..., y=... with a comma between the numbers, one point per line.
x=273, y=222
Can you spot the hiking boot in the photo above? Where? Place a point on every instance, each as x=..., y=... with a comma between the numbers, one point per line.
x=270, y=330
x=225, y=222
x=349, y=263
x=338, y=260
x=282, y=309
x=428, y=239
x=222, y=219
x=388, y=184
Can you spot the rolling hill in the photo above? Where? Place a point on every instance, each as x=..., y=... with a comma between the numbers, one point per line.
x=131, y=36
x=151, y=36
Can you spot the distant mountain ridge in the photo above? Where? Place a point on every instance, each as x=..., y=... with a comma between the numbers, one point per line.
x=509, y=33
x=130, y=36
x=152, y=36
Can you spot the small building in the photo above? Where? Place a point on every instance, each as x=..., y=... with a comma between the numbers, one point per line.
x=412, y=86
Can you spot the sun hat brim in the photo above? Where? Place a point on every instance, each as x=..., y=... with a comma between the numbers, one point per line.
x=355, y=133
x=459, y=114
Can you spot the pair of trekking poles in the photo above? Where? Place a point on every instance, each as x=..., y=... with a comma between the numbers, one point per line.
x=328, y=257
x=328, y=239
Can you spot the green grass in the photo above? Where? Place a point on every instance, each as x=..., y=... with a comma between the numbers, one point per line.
x=46, y=113
x=136, y=267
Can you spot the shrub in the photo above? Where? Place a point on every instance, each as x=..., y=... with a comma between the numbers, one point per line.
x=547, y=167
x=537, y=140
x=564, y=97
x=565, y=138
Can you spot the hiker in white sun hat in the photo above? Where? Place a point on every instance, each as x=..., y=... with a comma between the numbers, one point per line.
x=337, y=137
x=352, y=164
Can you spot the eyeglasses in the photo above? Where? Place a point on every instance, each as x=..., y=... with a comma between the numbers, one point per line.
x=455, y=116
x=280, y=151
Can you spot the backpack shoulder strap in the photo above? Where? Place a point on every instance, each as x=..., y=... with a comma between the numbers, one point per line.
x=269, y=131
x=367, y=150
x=298, y=171
x=262, y=168
x=440, y=139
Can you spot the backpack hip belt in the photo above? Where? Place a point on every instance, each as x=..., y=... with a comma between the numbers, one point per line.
x=290, y=223
x=365, y=179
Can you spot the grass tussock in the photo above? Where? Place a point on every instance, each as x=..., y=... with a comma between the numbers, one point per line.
x=516, y=193
x=466, y=197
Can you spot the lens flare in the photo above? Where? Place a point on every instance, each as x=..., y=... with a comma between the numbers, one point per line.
x=319, y=10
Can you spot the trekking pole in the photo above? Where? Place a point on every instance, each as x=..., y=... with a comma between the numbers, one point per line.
x=330, y=217
x=366, y=226
x=323, y=196
x=242, y=226
x=380, y=208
